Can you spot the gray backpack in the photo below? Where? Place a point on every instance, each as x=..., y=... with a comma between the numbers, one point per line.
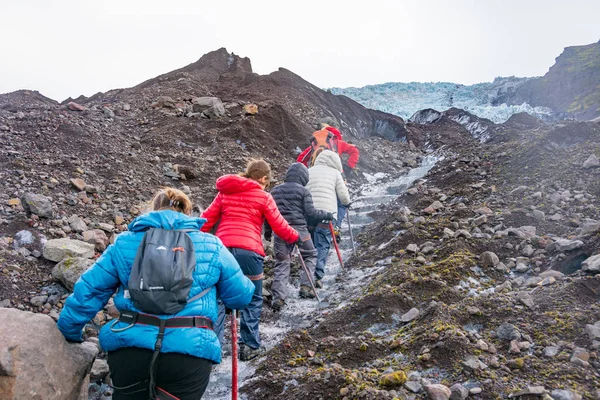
x=161, y=276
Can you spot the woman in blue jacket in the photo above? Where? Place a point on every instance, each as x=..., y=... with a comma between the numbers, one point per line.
x=188, y=351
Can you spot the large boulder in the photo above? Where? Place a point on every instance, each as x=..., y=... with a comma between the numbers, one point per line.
x=592, y=162
x=489, y=259
x=37, y=363
x=70, y=269
x=210, y=107
x=591, y=264
x=58, y=249
x=37, y=204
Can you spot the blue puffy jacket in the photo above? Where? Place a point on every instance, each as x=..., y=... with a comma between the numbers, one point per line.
x=215, y=268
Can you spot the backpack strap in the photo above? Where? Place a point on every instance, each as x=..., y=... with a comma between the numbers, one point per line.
x=200, y=295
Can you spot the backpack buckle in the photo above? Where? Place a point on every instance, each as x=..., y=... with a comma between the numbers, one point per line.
x=127, y=317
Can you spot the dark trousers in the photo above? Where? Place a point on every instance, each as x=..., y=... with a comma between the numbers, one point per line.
x=283, y=251
x=182, y=375
x=252, y=265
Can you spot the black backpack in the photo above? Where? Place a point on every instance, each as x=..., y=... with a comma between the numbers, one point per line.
x=161, y=276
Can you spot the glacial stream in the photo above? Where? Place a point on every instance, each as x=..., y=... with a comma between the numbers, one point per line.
x=298, y=313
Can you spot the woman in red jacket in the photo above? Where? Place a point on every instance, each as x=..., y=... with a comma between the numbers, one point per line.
x=241, y=208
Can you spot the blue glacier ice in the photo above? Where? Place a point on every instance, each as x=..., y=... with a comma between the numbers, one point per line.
x=486, y=100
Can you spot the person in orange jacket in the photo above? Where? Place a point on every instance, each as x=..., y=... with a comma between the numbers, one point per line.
x=342, y=148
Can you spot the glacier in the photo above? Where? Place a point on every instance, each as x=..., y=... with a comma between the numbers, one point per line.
x=485, y=100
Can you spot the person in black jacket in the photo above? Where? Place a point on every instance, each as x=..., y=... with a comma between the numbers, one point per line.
x=296, y=206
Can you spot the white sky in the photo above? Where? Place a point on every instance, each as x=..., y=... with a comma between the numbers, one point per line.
x=70, y=47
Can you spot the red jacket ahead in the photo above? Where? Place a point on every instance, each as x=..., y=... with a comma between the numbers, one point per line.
x=242, y=206
x=342, y=147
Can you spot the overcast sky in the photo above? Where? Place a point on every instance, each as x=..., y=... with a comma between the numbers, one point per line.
x=66, y=48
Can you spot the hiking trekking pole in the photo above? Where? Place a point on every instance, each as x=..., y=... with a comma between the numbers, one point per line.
x=234, y=356
x=337, y=249
x=350, y=229
x=312, y=285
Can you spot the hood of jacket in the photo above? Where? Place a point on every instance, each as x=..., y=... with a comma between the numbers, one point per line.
x=297, y=173
x=335, y=132
x=330, y=159
x=229, y=184
x=165, y=219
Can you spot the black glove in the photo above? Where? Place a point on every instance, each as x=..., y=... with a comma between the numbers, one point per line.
x=328, y=217
x=268, y=236
x=299, y=241
x=228, y=310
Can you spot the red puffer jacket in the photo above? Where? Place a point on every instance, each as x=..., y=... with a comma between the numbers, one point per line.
x=242, y=206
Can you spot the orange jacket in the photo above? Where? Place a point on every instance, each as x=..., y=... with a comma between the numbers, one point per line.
x=342, y=148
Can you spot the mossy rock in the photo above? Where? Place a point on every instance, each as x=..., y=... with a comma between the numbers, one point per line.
x=397, y=378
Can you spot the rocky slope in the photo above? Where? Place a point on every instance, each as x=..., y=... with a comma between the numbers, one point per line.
x=571, y=87
x=480, y=278
x=73, y=175
x=486, y=287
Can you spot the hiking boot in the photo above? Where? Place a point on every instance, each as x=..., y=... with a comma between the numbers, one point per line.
x=277, y=305
x=319, y=284
x=306, y=292
x=247, y=353
x=338, y=234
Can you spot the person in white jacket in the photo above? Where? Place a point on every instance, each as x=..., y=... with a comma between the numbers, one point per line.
x=326, y=185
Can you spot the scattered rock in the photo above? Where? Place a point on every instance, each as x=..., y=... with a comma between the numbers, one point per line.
x=592, y=162
x=97, y=237
x=560, y=394
x=593, y=331
x=164, y=102
x=591, y=264
x=410, y=315
x=99, y=370
x=37, y=362
x=551, y=351
x=526, y=299
x=459, y=392
x=412, y=248
x=568, y=245
x=482, y=219
x=70, y=269
x=549, y=273
x=413, y=386
x=488, y=259
x=211, y=107
x=518, y=191
x=75, y=107
x=438, y=392
x=58, y=249
x=77, y=224
x=462, y=233
x=38, y=301
x=37, y=204
x=590, y=227
x=508, y=331
x=472, y=363
x=397, y=378
x=78, y=184
x=250, y=109
x=531, y=390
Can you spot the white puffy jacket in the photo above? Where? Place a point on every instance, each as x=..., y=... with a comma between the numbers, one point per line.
x=326, y=183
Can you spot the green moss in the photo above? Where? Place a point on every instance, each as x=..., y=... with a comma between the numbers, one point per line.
x=396, y=378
